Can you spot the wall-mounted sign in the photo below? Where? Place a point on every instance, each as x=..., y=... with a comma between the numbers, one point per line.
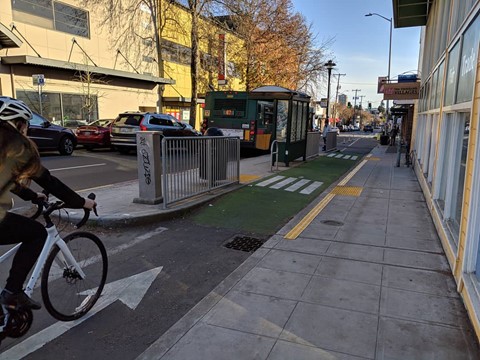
x=407, y=78
x=323, y=103
x=401, y=91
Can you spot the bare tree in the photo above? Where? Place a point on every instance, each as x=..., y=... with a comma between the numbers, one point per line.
x=136, y=27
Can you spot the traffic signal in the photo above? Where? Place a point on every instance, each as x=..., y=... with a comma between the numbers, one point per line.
x=349, y=105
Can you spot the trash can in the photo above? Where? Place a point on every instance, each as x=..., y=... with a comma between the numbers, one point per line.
x=384, y=139
x=214, y=157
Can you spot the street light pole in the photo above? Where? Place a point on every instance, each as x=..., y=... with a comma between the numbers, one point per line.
x=329, y=65
x=389, y=52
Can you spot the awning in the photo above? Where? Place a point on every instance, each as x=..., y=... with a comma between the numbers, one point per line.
x=8, y=39
x=408, y=13
x=66, y=65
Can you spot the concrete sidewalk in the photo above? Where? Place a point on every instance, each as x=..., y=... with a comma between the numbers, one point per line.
x=366, y=278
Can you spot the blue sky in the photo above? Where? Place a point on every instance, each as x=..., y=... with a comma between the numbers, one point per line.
x=360, y=47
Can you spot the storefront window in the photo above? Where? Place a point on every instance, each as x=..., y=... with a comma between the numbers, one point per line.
x=452, y=75
x=468, y=62
x=459, y=171
x=57, y=107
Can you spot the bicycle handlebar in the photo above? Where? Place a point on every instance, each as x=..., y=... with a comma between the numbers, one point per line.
x=47, y=208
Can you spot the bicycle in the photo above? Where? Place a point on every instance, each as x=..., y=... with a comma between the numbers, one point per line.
x=74, y=274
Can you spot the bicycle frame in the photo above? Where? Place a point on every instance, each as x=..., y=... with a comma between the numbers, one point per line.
x=53, y=238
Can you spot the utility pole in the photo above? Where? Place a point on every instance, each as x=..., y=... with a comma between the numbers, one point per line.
x=361, y=108
x=336, y=95
x=355, y=106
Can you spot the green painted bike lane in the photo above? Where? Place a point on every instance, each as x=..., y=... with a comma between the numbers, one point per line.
x=263, y=210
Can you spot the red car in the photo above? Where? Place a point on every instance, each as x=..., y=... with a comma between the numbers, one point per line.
x=95, y=134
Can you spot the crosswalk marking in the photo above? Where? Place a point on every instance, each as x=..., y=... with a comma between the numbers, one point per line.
x=339, y=156
x=297, y=185
x=270, y=181
x=354, y=157
x=331, y=155
x=346, y=157
x=311, y=188
x=283, y=183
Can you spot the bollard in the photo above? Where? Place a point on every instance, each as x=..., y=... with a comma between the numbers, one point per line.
x=149, y=167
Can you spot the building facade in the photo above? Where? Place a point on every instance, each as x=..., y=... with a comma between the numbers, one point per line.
x=445, y=139
x=65, y=63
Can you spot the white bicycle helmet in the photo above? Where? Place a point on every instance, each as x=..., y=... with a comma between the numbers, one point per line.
x=13, y=109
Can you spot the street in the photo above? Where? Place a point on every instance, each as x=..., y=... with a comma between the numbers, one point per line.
x=185, y=260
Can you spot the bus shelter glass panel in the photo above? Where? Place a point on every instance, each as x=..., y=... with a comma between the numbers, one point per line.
x=293, y=124
x=282, y=119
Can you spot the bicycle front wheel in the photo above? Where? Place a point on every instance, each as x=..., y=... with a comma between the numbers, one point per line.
x=65, y=294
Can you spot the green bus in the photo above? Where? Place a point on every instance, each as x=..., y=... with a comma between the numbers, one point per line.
x=260, y=116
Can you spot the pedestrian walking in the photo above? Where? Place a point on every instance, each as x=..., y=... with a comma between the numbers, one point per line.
x=326, y=129
x=393, y=135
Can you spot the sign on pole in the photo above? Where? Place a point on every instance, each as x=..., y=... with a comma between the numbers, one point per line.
x=38, y=79
x=323, y=103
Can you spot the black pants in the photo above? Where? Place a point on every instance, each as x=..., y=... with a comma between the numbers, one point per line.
x=15, y=229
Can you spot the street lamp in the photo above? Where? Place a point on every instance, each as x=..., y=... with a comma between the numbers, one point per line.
x=329, y=65
x=389, y=49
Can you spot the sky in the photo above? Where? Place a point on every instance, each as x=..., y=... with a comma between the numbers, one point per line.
x=360, y=44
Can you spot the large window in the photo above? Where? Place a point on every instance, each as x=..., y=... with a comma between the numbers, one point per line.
x=282, y=119
x=53, y=15
x=451, y=166
x=57, y=106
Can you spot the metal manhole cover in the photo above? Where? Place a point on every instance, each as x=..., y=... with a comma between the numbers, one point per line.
x=332, y=222
x=244, y=243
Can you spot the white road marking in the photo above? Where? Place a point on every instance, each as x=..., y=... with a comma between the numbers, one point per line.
x=78, y=167
x=346, y=157
x=311, y=188
x=339, y=156
x=355, y=157
x=130, y=291
x=331, y=155
x=297, y=185
x=283, y=183
x=270, y=181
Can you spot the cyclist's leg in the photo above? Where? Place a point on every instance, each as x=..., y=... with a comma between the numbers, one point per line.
x=15, y=228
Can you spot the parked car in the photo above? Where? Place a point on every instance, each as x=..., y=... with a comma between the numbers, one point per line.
x=49, y=136
x=335, y=129
x=95, y=134
x=125, y=127
x=368, y=128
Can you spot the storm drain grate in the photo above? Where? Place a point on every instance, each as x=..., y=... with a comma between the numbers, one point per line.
x=244, y=243
x=332, y=222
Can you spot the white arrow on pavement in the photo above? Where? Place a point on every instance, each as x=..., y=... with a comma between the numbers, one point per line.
x=130, y=291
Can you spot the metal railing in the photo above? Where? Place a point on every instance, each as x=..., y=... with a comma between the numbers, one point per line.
x=196, y=165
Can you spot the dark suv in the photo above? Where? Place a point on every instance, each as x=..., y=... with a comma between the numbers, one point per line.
x=368, y=128
x=123, y=131
x=49, y=136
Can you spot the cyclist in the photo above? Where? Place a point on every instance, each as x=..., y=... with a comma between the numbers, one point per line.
x=19, y=164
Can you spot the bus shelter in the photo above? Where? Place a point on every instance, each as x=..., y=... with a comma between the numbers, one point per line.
x=285, y=115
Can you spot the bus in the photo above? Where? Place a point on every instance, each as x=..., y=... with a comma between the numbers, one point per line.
x=260, y=116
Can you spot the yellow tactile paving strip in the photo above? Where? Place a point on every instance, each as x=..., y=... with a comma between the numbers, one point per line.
x=246, y=178
x=302, y=225
x=347, y=190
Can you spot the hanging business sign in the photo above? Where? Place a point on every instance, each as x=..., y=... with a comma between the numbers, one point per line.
x=323, y=102
x=381, y=82
x=401, y=91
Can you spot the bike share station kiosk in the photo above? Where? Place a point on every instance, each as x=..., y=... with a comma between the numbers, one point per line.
x=288, y=120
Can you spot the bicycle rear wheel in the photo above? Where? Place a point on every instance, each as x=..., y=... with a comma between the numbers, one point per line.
x=65, y=294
